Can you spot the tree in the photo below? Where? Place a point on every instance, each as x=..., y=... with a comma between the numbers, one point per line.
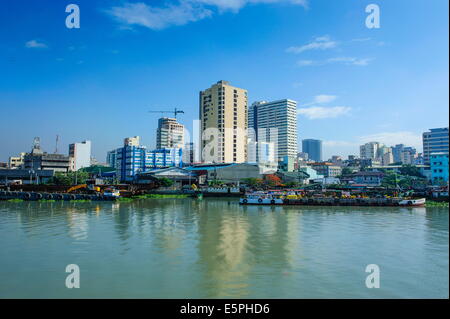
x=346, y=171
x=390, y=180
x=273, y=180
x=165, y=182
x=70, y=178
x=253, y=182
x=410, y=170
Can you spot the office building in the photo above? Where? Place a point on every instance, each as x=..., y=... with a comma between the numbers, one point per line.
x=81, y=153
x=434, y=141
x=313, y=148
x=276, y=123
x=170, y=134
x=223, y=124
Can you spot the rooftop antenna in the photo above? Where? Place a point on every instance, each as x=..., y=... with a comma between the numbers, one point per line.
x=175, y=112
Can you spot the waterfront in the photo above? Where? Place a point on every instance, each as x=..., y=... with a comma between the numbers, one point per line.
x=186, y=248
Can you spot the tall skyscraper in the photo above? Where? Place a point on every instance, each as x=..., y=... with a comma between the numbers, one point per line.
x=223, y=120
x=434, y=141
x=276, y=123
x=170, y=134
x=313, y=148
x=81, y=153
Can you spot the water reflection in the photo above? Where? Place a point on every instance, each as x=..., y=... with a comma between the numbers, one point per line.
x=186, y=248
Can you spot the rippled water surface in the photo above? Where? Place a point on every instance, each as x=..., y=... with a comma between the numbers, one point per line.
x=186, y=248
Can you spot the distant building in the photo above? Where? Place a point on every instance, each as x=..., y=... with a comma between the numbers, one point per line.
x=367, y=178
x=434, y=141
x=45, y=161
x=387, y=159
x=439, y=168
x=327, y=169
x=81, y=153
x=369, y=150
x=276, y=123
x=313, y=148
x=336, y=160
x=223, y=122
x=111, y=158
x=132, y=141
x=189, y=154
x=16, y=161
x=170, y=134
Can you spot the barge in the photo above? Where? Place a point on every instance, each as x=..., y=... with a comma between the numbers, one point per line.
x=292, y=199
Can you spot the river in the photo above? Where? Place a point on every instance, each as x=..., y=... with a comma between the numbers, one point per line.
x=214, y=248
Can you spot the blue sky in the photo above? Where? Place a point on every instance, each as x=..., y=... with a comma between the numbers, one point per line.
x=353, y=84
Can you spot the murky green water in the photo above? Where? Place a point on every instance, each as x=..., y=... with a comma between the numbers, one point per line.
x=185, y=248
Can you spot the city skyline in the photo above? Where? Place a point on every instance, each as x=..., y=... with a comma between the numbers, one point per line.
x=69, y=83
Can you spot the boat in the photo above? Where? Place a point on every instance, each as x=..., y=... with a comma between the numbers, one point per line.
x=292, y=198
x=413, y=202
x=261, y=199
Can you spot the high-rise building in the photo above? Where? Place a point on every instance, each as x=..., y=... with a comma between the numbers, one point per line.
x=223, y=121
x=369, y=150
x=313, y=148
x=276, y=123
x=170, y=134
x=434, y=141
x=81, y=153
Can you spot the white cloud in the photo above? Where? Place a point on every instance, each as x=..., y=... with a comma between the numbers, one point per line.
x=361, y=39
x=320, y=43
x=158, y=18
x=34, y=44
x=392, y=138
x=319, y=112
x=324, y=98
x=305, y=62
x=341, y=60
x=180, y=12
x=350, y=61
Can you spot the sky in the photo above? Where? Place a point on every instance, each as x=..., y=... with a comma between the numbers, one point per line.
x=352, y=84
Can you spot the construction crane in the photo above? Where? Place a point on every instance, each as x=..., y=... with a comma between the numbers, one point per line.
x=175, y=112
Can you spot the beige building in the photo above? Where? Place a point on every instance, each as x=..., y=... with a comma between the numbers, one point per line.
x=170, y=134
x=16, y=161
x=223, y=121
x=132, y=141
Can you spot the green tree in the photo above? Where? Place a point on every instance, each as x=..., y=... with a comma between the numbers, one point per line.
x=346, y=171
x=410, y=170
x=165, y=182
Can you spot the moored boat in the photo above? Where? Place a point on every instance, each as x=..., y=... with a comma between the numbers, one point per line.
x=289, y=198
